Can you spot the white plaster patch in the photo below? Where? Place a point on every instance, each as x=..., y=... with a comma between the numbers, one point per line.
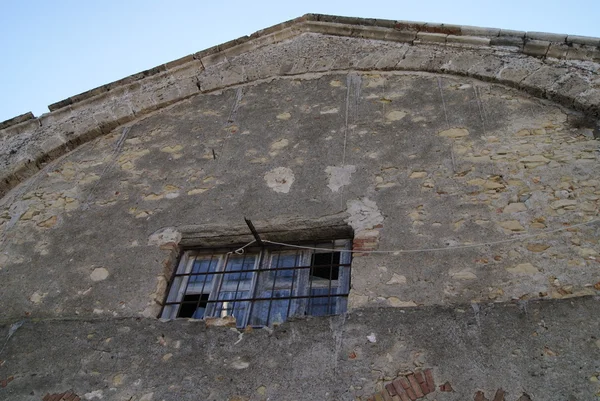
x=364, y=214
x=339, y=176
x=164, y=236
x=280, y=179
x=94, y=394
x=37, y=297
x=397, y=279
x=240, y=364
x=99, y=274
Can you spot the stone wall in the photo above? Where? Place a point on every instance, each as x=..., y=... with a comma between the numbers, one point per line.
x=467, y=172
x=410, y=161
x=563, y=68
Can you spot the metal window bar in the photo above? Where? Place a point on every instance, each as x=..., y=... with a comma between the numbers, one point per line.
x=261, y=266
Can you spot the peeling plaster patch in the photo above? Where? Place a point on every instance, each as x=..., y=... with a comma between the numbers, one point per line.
x=335, y=83
x=37, y=297
x=397, y=279
x=280, y=179
x=165, y=236
x=99, y=274
x=395, y=115
x=240, y=364
x=284, y=116
x=339, y=176
x=364, y=214
x=94, y=394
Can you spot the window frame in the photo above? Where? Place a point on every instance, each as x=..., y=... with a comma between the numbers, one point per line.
x=265, y=270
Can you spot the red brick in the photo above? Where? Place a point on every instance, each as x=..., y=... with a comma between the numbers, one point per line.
x=429, y=380
x=386, y=395
x=499, y=395
x=3, y=383
x=524, y=397
x=46, y=397
x=480, y=396
x=415, y=385
x=66, y=396
x=406, y=385
x=390, y=388
x=400, y=390
x=371, y=399
x=447, y=387
x=421, y=380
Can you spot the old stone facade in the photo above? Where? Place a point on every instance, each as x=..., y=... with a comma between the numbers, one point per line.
x=462, y=159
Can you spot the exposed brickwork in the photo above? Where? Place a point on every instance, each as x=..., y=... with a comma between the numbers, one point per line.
x=66, y=396
x=407, y=387
x=367, y=240
x=4, y=382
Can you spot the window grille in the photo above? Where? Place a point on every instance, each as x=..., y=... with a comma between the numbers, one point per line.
x=263, y=286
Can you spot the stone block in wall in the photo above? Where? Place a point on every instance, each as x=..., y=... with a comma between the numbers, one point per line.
x=583, y=52
x=542, y=80
x=548, y=37
x=510, y=41
x=536, y=47
x=16, y=120
x=557, y=50
x=479, y=31
x=210, y=79
x=232, y=75
x=583, y=40
x=488, y=69
x=589, y=101
x=20, y=128
x=517, y=68
x=567, y=88
x=391, y=58
x=468, y=40
x=459, y=62
x=431, y=37
x=416, y=58
x=511, y=32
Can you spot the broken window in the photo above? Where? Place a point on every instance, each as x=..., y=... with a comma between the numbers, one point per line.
x=262, y=286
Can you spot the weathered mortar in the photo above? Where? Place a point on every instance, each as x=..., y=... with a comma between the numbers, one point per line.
x=565, y=70
x=403, y=134
x=547, y=349
x=412, y=160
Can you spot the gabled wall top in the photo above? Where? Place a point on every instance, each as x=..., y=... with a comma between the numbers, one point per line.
x=538, y=44
x=562, y=68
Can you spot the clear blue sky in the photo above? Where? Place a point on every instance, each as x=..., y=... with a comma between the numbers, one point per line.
x=53, y=49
